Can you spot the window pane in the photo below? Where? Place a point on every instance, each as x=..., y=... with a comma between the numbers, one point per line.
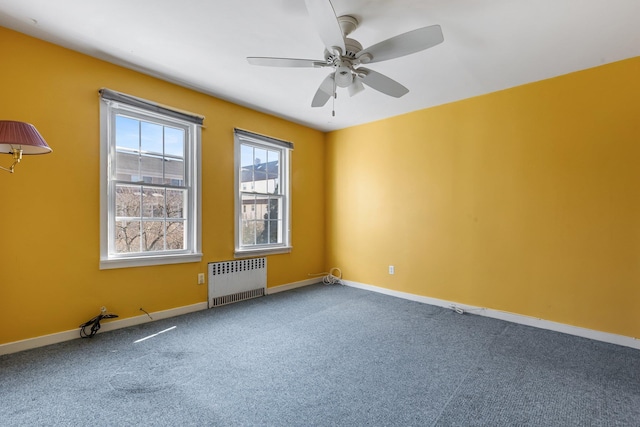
x=249, y=207
x=127, y=236
x=275, y=206
x=151, y=168
x=273, y=229
x=127, y=166
x=259, y=156
x=262, y=211
x=174, y=142
x=273, y=233
x=128, y=201
x=127, y=141
x=175, y=235
x=273, y=160
x=174, y=172
x=273, y=171
x=249, y=232
x=260, y=170
x=151, y=138
x=152, y=236
x=127, y=133
x=249, y=201
x=153, y=202
x=175, y=203
x=246, y=178
x=246, y=155
x=246, y=167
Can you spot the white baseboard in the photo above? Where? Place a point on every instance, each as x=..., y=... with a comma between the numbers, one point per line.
x=509, y=317
x=294, y=285
x=107, y=325
x=110, y=325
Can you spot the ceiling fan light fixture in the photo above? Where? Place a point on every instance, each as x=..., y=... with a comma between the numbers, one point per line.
x=344, y=76
x=356, y=87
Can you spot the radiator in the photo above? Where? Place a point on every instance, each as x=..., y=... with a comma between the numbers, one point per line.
x=233, y=281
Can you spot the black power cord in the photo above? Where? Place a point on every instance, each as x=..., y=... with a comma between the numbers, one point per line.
x=95, y=325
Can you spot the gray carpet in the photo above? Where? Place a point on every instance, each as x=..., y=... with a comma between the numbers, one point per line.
x=323, y=356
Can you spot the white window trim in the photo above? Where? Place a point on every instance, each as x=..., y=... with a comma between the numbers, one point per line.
x=285, y=246
x=194, y=172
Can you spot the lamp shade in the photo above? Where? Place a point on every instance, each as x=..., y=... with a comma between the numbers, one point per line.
x=21, y=136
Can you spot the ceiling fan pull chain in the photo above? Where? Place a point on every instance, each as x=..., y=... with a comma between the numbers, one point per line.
x=333, y=99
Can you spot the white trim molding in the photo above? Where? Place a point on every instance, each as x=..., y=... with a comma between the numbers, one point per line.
x=290, y=286
x=108, y=325
x=509, y=317
x=30, y=343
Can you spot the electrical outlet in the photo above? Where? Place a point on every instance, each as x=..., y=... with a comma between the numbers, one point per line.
x=392, y=269
x=200, y=278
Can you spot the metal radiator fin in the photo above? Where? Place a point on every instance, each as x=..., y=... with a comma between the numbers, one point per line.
x=240, y=296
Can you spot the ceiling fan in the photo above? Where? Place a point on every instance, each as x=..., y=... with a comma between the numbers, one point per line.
x=346, y=55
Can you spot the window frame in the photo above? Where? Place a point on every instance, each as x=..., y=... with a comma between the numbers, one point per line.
x=148, y=111
x=284, y=148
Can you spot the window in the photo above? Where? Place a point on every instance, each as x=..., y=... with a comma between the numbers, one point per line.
x=150, y=183
x=263, y=163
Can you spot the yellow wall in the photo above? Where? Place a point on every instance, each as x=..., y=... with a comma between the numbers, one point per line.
x=525, y=200
x=49, y=242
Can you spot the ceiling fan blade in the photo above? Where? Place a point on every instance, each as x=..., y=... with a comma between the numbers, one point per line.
x=325, y=92
x=403, y=44
x=285, y=62
x=382, y=83
x=326, y=23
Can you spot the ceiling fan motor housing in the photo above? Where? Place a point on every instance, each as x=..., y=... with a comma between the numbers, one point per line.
x=344, y=63
x=352, y=48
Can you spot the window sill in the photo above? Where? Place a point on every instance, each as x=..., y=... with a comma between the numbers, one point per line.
x=106, y=264
x=248, y=253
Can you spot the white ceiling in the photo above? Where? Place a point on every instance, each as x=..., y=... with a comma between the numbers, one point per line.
x=203, y=44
